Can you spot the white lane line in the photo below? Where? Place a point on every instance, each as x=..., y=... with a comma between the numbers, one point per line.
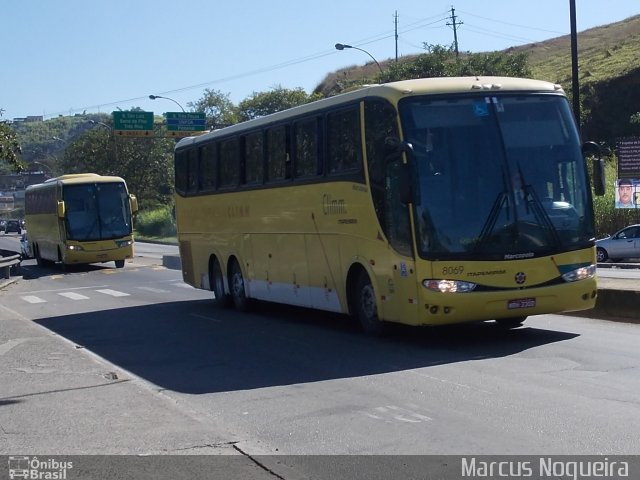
x=33, y=299
x=73, y=296
x=113, y=293
x=153, y=290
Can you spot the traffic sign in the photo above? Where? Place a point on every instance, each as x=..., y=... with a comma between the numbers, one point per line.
x=182, y=134
x=133, y=123
x=186, y=122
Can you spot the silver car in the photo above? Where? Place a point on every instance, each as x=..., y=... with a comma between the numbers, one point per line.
x=25, y=248
x=623, y=244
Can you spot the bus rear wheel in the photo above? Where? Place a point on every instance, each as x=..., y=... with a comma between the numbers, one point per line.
x=366, y=307
x=216, y=281
x=237, y=287
x=119, y=263
x=509, y=323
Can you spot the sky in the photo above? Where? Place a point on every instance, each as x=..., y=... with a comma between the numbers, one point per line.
x=72, y=56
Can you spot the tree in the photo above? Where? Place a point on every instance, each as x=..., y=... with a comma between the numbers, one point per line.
x=9, y=147
x=217, y=107
x=277, y=99
x=146, y=164
x=441, y=61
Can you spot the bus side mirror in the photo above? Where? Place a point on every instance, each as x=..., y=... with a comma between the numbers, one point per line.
x=61, y=209
x=134, y=203
x=592, y=148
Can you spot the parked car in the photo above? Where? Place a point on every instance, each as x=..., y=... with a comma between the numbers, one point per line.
x=25, y=249
x=13, y=226
x=3, y=223
x=621, y=245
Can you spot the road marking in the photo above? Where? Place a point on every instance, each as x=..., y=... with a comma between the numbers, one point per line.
x=33, y=299
x=73, y=296
x=113, y=293
x=153, y=290
x=393, y=413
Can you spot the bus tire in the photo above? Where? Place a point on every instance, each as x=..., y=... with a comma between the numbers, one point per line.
x=119, y=263
x=366, y=308
x=509, y=323
x=237, y=287
x=216, y=282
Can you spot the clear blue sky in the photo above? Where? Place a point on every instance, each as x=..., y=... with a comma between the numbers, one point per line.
x=64, y=57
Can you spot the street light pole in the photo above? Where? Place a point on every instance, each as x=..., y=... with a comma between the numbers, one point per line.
x=342, y=46
x=115, y=143
x=153, y=97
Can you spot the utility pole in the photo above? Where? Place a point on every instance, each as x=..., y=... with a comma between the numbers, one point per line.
x=455, y=25
x=396, y=25
x=575, y=82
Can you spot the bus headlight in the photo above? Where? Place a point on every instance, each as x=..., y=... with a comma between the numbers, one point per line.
x=123, y=243
x=581, y=273
x=449, y=286
x=75, y=248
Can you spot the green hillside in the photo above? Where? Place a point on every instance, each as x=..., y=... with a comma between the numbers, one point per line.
x=603, y=53
x=609, y=75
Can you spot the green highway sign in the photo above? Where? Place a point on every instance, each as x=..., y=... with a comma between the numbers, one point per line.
x=133, y=123
x=186, y=121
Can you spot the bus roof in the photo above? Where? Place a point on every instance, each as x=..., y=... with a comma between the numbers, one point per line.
x=79, y=178
x=393, y=91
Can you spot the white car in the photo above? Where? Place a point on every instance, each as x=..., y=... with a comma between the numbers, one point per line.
x=621, y=245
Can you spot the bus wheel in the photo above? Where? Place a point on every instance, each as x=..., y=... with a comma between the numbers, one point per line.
x=119, y=263
x=216, y=280
x=236, y=284
x=366, y=308
x=39, y=259
x=509, y=323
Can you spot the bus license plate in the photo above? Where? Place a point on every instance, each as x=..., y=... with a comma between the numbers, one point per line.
x=521, y=303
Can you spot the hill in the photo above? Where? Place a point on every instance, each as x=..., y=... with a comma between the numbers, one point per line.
x=609, y=75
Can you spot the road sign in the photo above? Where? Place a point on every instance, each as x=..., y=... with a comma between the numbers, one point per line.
x=182, y=134
x=133, y=123
x=186, y=122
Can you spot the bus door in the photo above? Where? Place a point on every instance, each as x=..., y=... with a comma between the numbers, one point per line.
x=397, y=225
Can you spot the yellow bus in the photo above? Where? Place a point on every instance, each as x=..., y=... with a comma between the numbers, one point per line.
x=79, y=219
x=423, y=202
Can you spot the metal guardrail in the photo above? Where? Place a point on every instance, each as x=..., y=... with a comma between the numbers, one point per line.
x=6, y=263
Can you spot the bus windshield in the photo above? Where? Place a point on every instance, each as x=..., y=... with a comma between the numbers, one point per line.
x=97, y=211
x=498, y=177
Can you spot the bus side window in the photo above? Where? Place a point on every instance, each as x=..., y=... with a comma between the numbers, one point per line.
x=344, y=146
x=253, y=158
x=278, y=162
x=208, y=167
x=192, y=171
x=181, y=172
x=306, y=148
x=380, y=123
x=229, y=163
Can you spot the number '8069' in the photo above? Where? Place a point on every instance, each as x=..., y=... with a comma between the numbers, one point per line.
x=457, y=270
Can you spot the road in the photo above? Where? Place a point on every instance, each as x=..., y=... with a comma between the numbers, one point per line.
x=143, y=364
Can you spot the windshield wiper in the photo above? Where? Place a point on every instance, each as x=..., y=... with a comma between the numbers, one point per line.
x=532, y=200
x=492, y=218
